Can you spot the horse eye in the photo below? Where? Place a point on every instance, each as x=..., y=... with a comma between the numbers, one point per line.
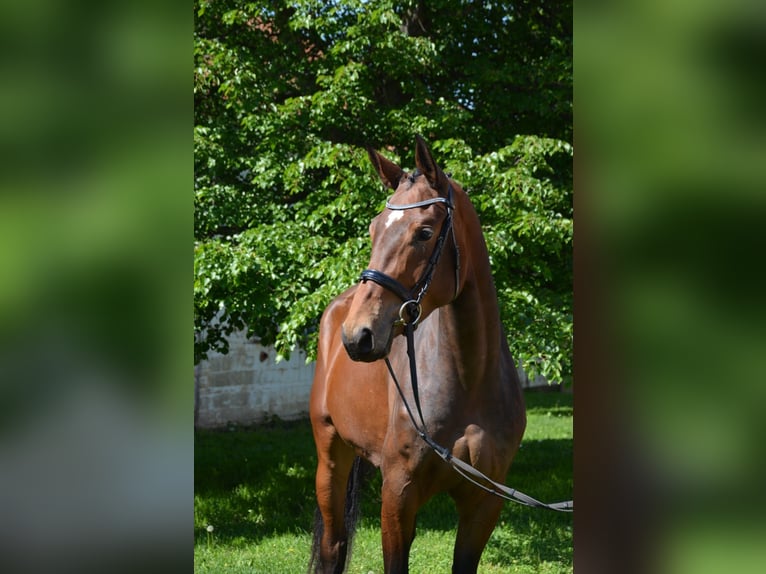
x=425, y=234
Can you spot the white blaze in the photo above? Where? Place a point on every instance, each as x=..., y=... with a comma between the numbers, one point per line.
x=394, y=216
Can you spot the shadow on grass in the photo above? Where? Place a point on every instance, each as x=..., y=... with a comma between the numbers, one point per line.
x=254, y=483
x=557, y=404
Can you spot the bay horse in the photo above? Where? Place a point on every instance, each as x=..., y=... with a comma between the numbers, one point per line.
x=428, y=237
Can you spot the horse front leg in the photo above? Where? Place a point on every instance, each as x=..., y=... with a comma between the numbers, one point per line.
x=399, y=506
x=477, y=509
x=335, y=460
x=478, y=513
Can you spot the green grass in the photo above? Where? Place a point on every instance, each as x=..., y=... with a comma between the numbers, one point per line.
x=255, y=487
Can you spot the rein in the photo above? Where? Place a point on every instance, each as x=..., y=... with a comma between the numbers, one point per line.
x=464, y=469
x=409, y=315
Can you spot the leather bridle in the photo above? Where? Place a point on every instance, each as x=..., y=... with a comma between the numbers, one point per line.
x=410, y=311
x=411, y=307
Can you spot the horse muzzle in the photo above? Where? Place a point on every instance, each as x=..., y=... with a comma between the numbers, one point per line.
x=362, y=344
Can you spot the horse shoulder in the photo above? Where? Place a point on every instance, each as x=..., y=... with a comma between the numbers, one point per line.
x=330, y=323
x=327, y=347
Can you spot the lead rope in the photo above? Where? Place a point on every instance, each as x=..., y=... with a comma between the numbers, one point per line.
x=470, y=473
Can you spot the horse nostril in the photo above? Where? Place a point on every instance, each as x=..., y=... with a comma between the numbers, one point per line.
x=365, y=341
x=360, y=345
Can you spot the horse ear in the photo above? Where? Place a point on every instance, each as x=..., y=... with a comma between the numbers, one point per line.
x=427, y=166
x=390, y=173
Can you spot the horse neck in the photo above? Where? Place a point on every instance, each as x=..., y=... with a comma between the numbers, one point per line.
x=473, y=318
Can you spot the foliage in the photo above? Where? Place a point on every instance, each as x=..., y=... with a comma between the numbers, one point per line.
x=255, y=487
x=287, y=94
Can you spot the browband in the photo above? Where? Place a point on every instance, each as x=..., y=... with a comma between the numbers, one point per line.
x=445, y=200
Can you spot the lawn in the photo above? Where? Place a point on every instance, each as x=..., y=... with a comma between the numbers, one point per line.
x=254, y=503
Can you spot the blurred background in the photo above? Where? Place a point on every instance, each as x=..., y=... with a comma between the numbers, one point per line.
x=95, y=330
x=95, y=228
x=670, y=314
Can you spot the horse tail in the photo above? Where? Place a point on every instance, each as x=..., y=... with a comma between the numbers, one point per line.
x=314, y=562
x=360, y=471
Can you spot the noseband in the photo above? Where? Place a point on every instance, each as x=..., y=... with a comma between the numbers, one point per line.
x=412, y=297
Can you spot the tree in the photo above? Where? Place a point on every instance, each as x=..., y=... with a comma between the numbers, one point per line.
x=286, y=96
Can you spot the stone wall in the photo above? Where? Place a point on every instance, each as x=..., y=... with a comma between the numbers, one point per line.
x=247, y=386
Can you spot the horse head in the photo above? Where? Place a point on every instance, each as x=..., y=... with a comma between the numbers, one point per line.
x=404, y=281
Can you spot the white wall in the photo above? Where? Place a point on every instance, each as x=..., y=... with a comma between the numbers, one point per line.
x=248, y=386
